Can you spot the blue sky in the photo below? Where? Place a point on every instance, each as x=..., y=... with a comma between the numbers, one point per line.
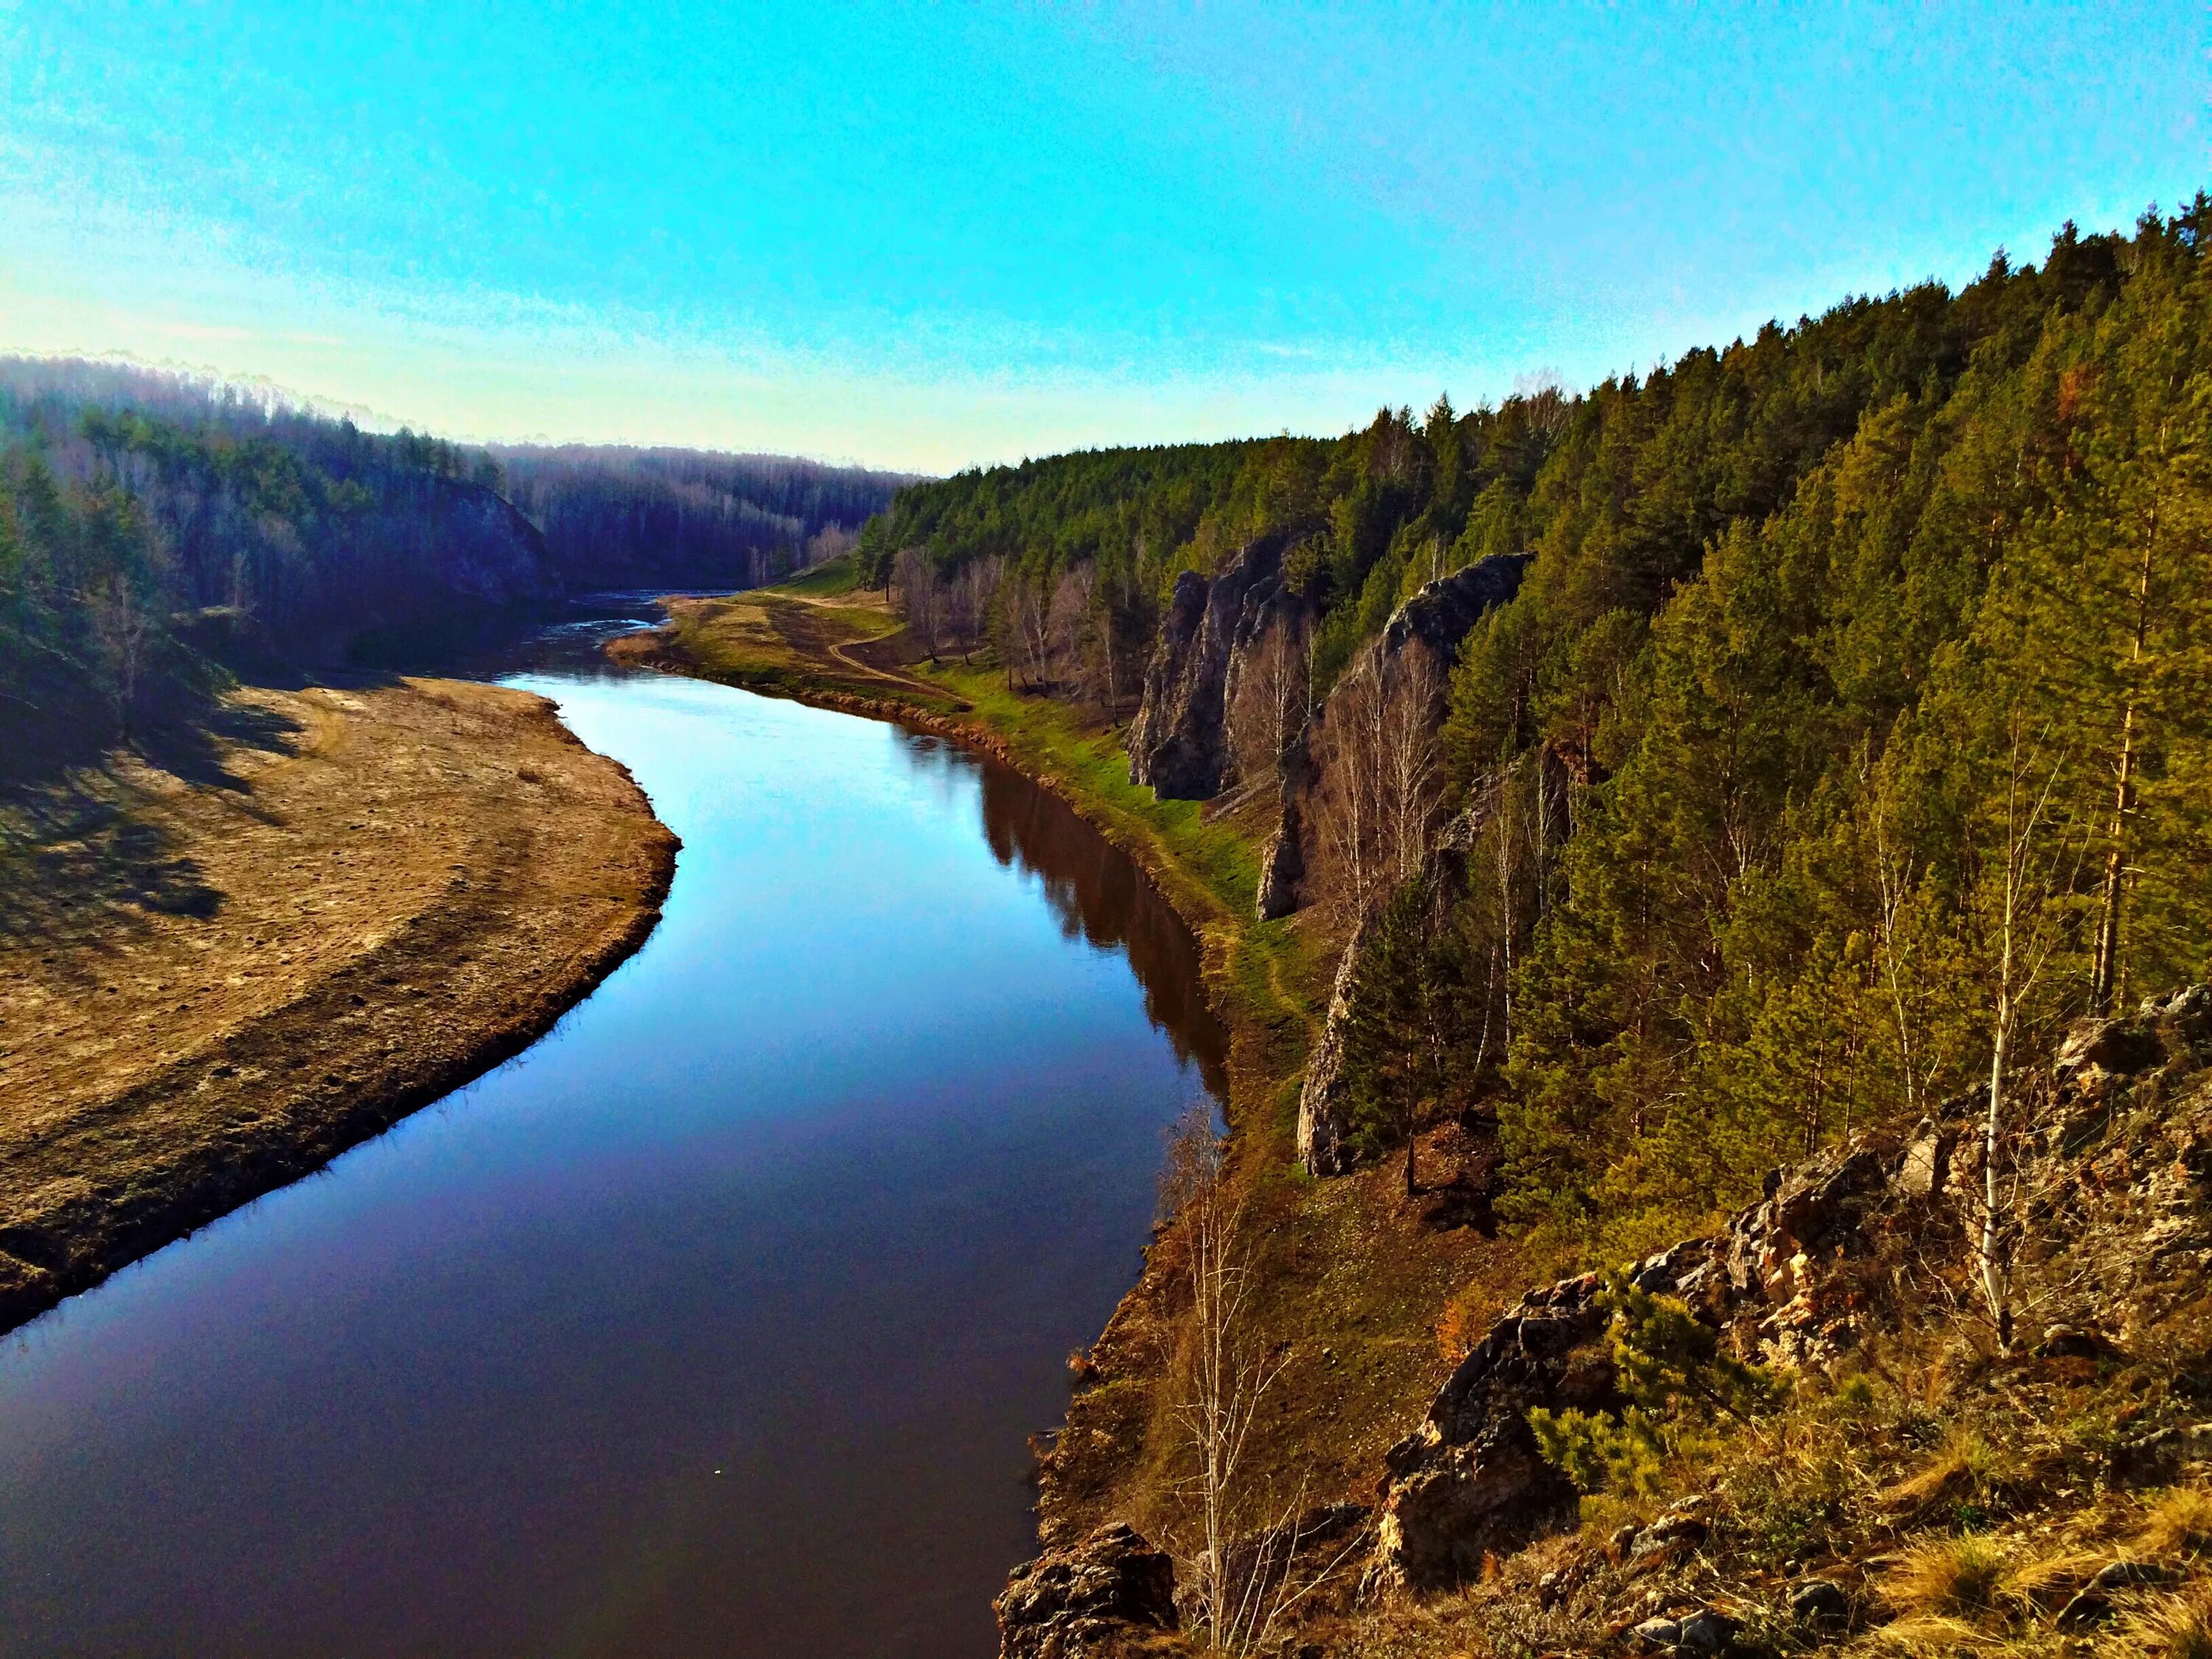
x=931, y=236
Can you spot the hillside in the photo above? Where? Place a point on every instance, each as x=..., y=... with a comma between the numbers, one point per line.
x=1641, y=795
x=615, y=517
x=156, y=529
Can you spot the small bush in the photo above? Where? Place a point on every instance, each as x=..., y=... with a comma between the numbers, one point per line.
x=1946, y=1579
x=1669, y=1365
x=2178, y=1522
x=2171, y=1627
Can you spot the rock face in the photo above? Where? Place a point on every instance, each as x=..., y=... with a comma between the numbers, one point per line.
x=1432, y=623
x=1324, y=1103
x=2118, y=1144
x=1178, y=742
x=1470, y=1480
x=1440, y=615
x=1284, y=864
x=495, y=556
x=1787, y=1278
x=1112, y=1597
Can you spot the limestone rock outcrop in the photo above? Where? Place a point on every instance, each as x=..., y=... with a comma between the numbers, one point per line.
x=2115, y=1141
x=1470, y=1480
x=1432, y=623
x=1178, y=743
x=493, y=555
x=1789, y=1279
x=1445, y=610
x=1283, y=866
x=1111, y=1597
x=1324, y=1100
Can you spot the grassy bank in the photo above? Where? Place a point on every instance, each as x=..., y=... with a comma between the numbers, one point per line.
x=221, y=966
x=1362, y=1295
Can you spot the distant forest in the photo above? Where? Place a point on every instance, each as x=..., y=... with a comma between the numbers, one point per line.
x=150, y=520
x=615, y=517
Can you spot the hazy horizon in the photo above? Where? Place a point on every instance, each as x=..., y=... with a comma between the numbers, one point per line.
x=920, y=243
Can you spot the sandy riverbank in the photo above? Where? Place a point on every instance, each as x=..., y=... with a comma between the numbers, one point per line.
x=217, y=973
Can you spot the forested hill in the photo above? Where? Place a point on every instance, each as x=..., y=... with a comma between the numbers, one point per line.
x=1845, y=657
x=621, y=517
x=1628, y=482
x=145, y=514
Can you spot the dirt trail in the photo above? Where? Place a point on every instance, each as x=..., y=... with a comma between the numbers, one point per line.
x=210, y=984
x=768, y=635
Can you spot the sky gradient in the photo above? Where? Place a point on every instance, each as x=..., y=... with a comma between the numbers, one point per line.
x=931, y=237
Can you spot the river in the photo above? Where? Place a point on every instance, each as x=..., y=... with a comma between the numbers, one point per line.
x=715, y=1323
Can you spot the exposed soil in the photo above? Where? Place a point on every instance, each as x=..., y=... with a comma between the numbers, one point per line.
x=217, y=973
x=786, y=644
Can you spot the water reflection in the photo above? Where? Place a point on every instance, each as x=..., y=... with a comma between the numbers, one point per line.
x=1106, y=901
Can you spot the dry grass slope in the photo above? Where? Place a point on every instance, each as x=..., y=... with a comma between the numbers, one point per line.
x=213, y=981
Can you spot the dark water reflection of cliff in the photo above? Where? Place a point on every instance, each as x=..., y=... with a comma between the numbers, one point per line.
x=1109, y=904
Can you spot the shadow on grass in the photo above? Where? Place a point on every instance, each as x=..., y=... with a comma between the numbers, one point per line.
x=74, y=844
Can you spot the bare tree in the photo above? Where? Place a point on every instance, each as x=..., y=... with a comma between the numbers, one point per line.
x=2027, y=934
x=967, y=603
x=1896, y=956
x=1270, y=702
x=1412, y=784
x=1351, y=809
x=829, y=543
x=1243, y=1580
x=1067, y=620
x=1027, y=610
x=121, y=630
x=1381, y=784
x=920, y=599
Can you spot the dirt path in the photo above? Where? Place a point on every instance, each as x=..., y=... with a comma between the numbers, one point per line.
x=212, y=982
x=771, y=640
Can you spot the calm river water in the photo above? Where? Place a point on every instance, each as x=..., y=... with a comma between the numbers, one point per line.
x=714, y=1324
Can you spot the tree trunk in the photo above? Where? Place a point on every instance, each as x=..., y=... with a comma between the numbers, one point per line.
x=2106, y=977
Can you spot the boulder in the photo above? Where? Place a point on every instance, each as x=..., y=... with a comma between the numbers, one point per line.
x=1822, y=1606
x=1791, y=1280
x=1470, y=1480
x=1705, y=1632
x=1111, y=1597
x=1787, y=1260
x=2097, y=1051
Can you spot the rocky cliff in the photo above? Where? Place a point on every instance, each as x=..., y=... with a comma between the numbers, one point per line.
x=1902, y=1441
x=1836, y=1272
x=1178, y=743
x=1432, y=625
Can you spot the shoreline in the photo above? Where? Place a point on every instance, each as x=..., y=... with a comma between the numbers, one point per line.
x=1131, y=1347
x=1354, y=1287
x=515, y=870
x=1184, y=893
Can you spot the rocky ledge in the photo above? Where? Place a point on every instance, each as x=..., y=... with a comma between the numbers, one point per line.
x=1111, y=1597
x=2117, y=1152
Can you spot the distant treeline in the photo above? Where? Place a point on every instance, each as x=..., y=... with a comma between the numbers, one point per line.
x=616, y=517
x=147, y=518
